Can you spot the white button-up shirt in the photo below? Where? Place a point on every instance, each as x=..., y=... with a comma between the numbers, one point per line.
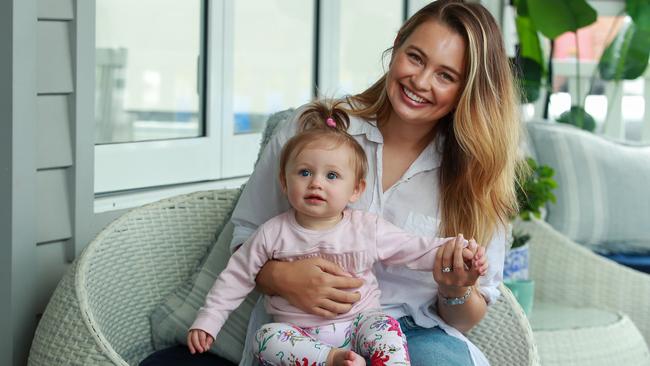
x=411, y=203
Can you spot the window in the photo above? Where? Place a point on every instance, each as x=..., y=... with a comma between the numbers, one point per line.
x=151, y=118
x=361, y=47
x=147, y=83
x=352, y=47
x=183, y=99
x=274, y=71
x=592, y=41
x=272, y=63
x=617, y=110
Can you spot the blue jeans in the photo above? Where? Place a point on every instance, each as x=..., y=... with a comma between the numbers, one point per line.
x=427, y=347
x=432, y=346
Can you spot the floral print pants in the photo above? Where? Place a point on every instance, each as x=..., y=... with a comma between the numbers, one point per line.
x=372, y=334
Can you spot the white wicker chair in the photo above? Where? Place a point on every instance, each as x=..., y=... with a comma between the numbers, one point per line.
x=569, y=275
x=99, y=313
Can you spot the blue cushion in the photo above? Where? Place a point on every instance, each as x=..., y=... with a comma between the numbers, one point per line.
x=640, y=262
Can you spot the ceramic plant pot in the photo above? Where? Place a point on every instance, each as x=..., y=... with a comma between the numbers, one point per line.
x=516, y=263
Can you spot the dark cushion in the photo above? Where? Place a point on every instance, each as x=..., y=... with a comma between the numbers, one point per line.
x=640, y=262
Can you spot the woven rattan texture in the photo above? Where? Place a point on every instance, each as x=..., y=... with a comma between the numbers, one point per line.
x=107, y=296
x=504, y=335
x=615, y=344
x=569, y=274
x=62, y=337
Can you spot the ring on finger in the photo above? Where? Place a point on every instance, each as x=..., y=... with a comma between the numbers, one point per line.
x=446, y=269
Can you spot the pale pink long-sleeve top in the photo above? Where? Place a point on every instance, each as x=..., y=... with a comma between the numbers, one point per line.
x=356, y=243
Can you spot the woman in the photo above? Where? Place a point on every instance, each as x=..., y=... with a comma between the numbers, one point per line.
x=440, y=130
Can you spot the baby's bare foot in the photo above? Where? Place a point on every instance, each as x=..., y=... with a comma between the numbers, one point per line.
x=342, y=357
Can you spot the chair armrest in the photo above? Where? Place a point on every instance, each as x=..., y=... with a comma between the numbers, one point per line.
x=124, y=273
x=62, y=337
x=570, y=274
x=504, y=335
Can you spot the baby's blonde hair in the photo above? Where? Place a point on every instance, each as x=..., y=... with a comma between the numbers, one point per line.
x=314, y=129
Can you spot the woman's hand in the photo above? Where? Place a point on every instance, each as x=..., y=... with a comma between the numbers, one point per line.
x=315, y=286
x=456, y=270
x=456, y=267
x=198, y=341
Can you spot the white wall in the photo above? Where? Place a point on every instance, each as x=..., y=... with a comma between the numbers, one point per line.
x=46, y=152
x=17, y=178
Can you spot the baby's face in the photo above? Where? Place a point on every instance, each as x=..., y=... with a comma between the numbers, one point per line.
x=321, y=181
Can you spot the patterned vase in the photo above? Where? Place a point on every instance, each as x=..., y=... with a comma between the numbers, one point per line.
x=516, y=264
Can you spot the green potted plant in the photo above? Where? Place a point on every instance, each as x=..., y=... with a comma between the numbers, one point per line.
x=532, y=194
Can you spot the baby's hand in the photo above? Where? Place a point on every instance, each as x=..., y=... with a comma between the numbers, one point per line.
x=480, y=261
x=475, y=258
x=199, y=341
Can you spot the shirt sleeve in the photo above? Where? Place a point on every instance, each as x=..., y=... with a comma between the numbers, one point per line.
x=262, y=197
x=496, y=255
x=398, y=247
x=232, y=286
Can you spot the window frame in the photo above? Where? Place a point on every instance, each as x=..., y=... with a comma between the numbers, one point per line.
x=119, y=166
x=119, y=181
x=245, y=144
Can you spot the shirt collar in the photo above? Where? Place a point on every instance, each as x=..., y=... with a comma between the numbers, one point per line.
x=359, y=126
x=431, y=156
x=429, y=159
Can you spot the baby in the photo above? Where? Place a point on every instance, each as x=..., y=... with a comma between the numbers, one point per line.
x=322, y=170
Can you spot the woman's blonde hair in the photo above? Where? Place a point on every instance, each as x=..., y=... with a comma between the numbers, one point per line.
x=481, y=135
x=326, y=124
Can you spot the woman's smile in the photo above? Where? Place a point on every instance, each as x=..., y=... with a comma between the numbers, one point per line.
x=412, y=96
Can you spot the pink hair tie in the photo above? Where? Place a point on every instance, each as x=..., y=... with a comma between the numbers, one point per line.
x=330, y=122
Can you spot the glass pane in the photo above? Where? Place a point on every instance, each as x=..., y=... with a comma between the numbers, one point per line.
x=592, y=41
x=147, y=60
x=368, y=28
x=273, y=59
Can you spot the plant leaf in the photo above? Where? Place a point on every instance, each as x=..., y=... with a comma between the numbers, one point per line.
x=530, y=60
x=530, y=75
x=529, y=40
x=639, y=11
x=627, y=56
x=578, y=117
x=554, y=17
x=535, y=190
x=522, y=7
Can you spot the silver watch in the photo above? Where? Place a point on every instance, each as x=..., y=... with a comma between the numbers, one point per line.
x=457, y=300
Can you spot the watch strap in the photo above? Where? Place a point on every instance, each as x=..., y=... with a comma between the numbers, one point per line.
x=456, y=300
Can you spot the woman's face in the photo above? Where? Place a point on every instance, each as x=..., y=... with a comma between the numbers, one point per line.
x=426, y=75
